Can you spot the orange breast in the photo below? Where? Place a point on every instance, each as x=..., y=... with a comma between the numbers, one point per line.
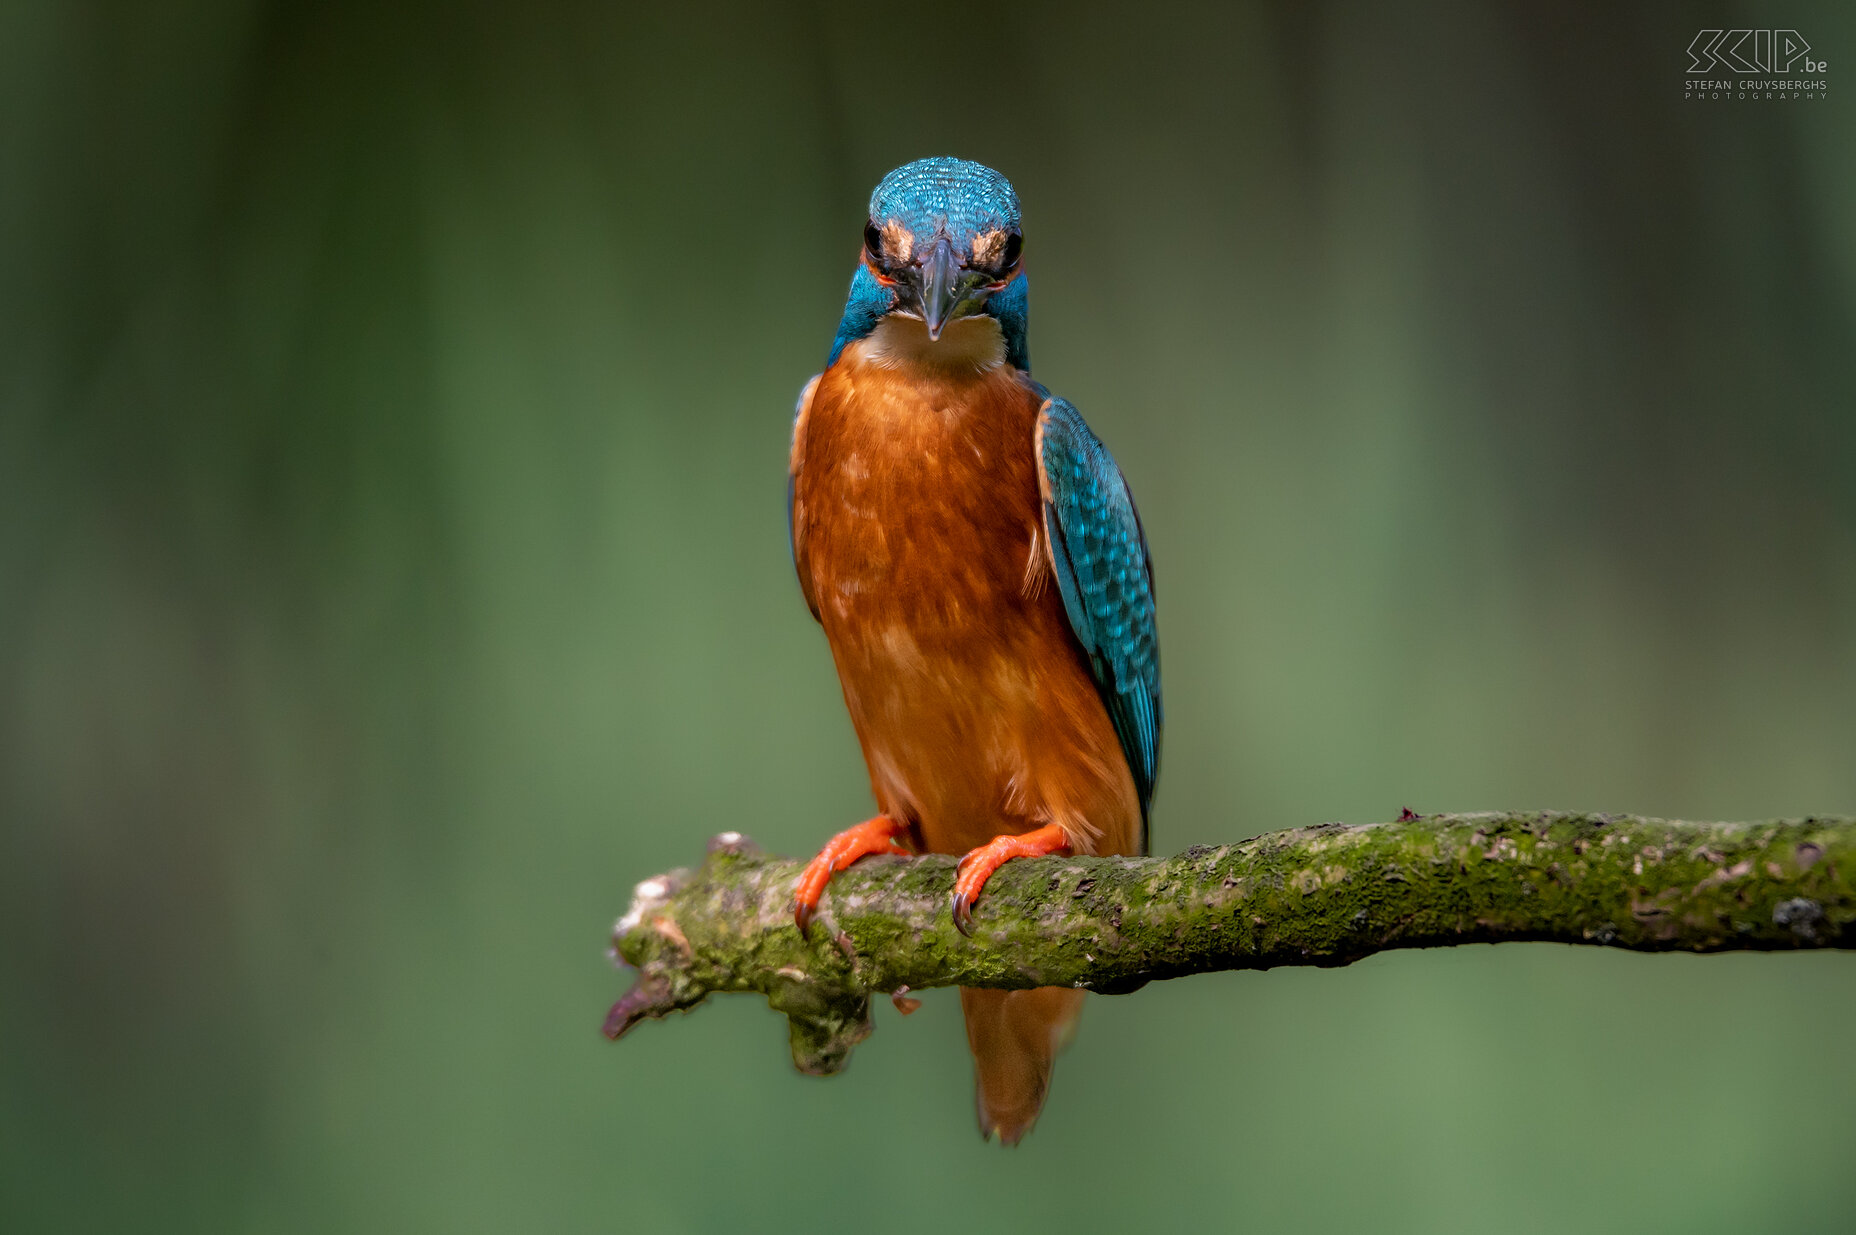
x=918, y=535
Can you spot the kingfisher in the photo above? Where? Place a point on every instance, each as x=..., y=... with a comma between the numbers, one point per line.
x=976, y=561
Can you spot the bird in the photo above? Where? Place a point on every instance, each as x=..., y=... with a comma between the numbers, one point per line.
x=975, y=558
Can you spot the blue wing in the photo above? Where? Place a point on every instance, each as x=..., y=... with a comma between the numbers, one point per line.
x=1099, y=554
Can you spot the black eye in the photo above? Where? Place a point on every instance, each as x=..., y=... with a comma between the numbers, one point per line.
x=873, y=241
x=1009, y=258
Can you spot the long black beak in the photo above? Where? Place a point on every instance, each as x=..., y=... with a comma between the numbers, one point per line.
x=939, y=295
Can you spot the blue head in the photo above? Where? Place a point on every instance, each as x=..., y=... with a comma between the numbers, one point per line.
x=942, y=243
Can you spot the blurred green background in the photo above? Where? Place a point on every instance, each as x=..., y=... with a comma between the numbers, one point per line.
x=394, y=405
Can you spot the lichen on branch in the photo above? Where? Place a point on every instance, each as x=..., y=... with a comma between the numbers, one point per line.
x=1325, y=895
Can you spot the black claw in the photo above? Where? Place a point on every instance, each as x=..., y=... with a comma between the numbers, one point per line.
x=802, y=918
x=963, y=914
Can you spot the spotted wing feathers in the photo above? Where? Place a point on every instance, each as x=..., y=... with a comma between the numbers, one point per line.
x=1099, y=556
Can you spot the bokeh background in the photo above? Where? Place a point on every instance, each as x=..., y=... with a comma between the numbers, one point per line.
x=394, y=404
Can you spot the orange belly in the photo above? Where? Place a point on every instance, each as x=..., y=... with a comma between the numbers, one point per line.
x=918, y=533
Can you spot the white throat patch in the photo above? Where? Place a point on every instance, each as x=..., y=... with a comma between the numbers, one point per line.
x=967, y=344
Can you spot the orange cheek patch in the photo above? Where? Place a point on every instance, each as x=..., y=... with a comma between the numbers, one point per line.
x=988, y=247
x=898, y=241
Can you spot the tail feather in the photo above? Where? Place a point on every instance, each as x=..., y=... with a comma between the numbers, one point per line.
x=1015, y=1036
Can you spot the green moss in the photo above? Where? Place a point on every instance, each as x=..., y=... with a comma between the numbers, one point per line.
x=1324, y=895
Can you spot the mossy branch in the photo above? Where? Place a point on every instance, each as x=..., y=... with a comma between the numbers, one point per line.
x=1324, y=895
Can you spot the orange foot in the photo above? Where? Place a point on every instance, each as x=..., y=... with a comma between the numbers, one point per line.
x=979, y=864
x=871, y=836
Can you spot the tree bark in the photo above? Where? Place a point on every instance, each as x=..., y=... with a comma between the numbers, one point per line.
x=1325, y=895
